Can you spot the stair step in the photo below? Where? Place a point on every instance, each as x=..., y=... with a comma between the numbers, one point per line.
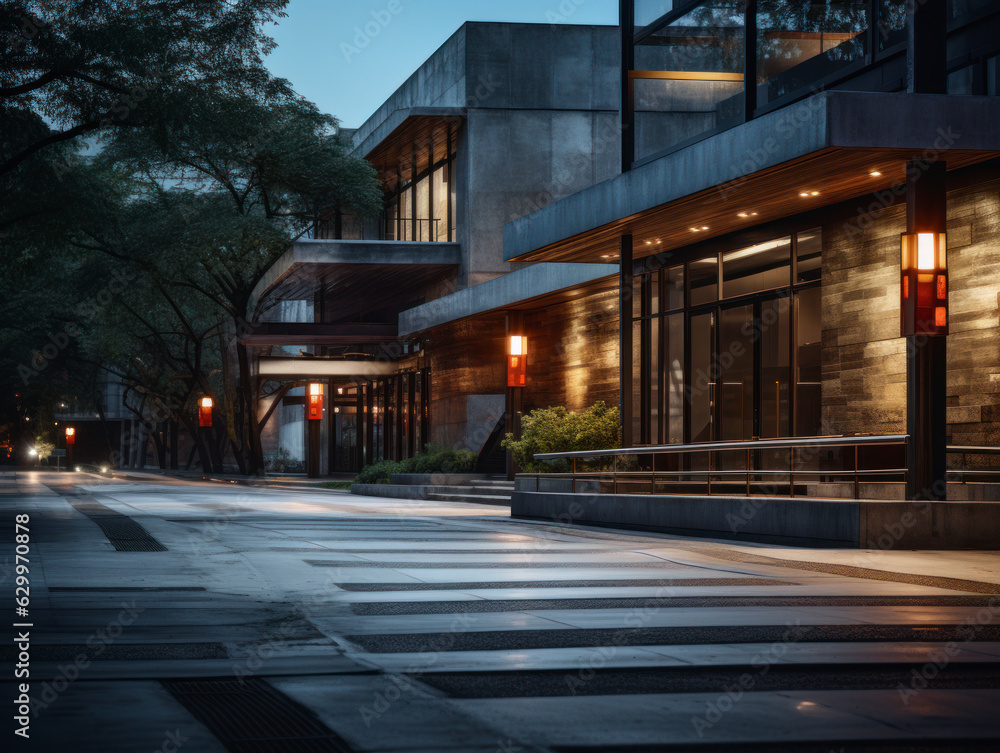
x=482, y=499
x=467, y=489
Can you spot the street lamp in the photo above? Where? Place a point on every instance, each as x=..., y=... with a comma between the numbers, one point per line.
x=315, y=402
x=924, y=284
x=205, y=412
x=517, y=361
x=314, y=414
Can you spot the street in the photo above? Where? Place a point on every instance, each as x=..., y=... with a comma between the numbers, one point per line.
x=169, y=615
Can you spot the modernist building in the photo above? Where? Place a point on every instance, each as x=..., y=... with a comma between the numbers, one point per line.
x=404, y=320
x=774, y=155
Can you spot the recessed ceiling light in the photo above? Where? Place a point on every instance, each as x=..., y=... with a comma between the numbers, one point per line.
x=606, y=256
x=807, y=194
x=747, y=214
x=649, y=243
x=875, y=173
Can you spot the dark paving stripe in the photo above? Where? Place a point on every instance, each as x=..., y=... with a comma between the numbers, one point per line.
x=473, y=565
x=124, y=533
x=528, y=605
x=634, y=582
x=120, y=651
x=250, y=716
x=117, y=589
x=972, y=745
x=515, y=640
x=772, y=677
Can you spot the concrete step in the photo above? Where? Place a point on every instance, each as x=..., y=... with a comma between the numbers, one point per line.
x=493, y=490
x=468, y=489
x=495, y=482
x=479, y=499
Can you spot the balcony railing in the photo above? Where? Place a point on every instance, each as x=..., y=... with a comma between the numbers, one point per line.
x=835, y=466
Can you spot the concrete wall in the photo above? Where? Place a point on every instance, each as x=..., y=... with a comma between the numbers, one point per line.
x=542, y=123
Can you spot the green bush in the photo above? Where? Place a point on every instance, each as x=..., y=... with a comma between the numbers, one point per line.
x=435, y=459
x=556, y=429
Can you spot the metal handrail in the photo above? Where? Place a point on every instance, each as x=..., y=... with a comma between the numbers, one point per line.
x=749, y=444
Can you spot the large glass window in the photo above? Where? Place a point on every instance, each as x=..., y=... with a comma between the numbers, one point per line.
x=422, y=205
x=688, y=77
x=799, y=43
x=734, y=362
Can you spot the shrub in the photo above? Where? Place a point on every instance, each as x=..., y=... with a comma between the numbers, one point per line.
x=556, y=429
x=378, y=473
x=435, y=459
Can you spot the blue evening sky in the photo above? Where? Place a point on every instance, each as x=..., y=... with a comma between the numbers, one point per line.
x=348, y=56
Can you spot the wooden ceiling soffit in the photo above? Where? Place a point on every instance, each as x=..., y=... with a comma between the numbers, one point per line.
x=823, y=178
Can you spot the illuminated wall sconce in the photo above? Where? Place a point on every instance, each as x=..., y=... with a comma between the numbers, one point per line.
x=517, y=361
x=205, y=412
x=924, y=284
x=70, y=436
x=315, y=403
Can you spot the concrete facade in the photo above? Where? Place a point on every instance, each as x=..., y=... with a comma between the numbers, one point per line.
x=539, y=105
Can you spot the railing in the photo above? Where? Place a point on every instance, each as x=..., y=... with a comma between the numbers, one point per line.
x=718, y=460
x=623, y=468
x=963, y=473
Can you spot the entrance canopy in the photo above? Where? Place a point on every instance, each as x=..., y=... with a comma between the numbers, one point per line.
x=829, y=148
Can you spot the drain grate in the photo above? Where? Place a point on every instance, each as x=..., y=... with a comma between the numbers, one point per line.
x=124, y=533
x=250, y=716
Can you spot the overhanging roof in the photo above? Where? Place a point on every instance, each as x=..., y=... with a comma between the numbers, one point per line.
x=522, y=289
x=830, y=143
x=357, y=276
x=324, y=335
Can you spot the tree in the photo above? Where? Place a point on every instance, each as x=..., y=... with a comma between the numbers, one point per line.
x=71, y=68
x=218, y=197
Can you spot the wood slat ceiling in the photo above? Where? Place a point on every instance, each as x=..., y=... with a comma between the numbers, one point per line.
x=837, y=175
x=411, y=144
x=351, y=292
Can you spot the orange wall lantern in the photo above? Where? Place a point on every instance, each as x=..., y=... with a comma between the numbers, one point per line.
x=205, y=412
x=517, y=361
x=315, y=402
x=70, y=436
x=924, y=284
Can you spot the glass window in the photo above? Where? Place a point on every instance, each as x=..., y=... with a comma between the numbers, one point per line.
x=673, y=368
x=891, y=23
x=810, y=255
x=655, y=380
x=993, y=75
x=406, y=215
x=704, y=275
x=761, y=267
x=423, y=223
x=638, y=284
x=673, y=288
x=702, y=384
x=808, y=362
x=654, y=293
x=647, y=11
x=735, y=367
x=962, y=81
x=689, y=77
x=637, y=384
x=775, y=367
x=960, y=8
x=801, y=43
x=439, y=215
